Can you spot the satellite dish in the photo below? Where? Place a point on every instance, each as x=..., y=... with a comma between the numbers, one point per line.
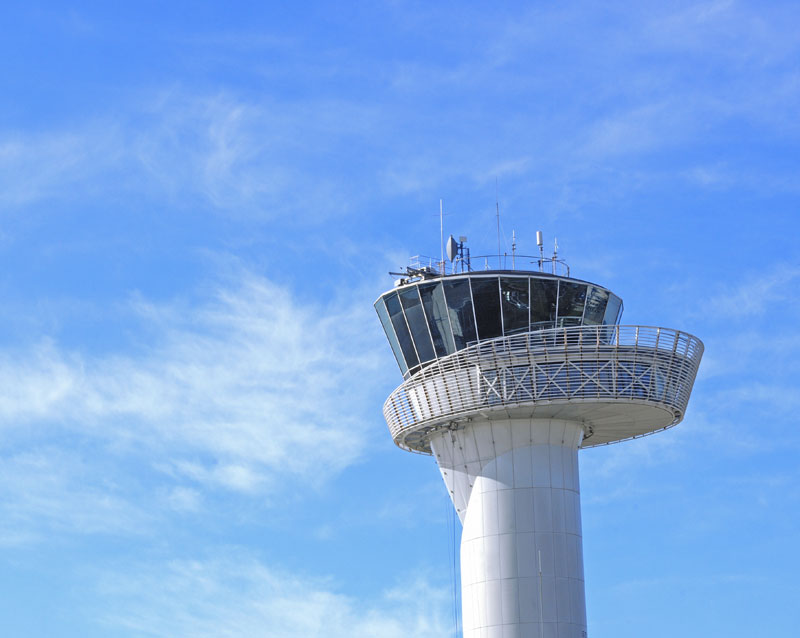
x=452, y=248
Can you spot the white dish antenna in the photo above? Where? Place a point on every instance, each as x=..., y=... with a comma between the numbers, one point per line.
x=452, y=248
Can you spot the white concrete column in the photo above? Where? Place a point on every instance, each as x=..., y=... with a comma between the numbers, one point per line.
x=515, y=485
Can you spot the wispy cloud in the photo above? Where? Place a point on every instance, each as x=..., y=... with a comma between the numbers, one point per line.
x=239, y=392
x=42, y=166
x=48, y=491
x=757, y=292
x=236, y=595
x=220, y=151
x=223, y=150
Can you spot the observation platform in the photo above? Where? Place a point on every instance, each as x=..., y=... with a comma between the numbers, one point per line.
x=620, y=382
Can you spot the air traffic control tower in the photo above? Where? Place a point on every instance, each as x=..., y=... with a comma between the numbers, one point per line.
x=507, y=374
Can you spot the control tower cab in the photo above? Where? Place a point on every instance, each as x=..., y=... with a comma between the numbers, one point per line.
x=507, y=373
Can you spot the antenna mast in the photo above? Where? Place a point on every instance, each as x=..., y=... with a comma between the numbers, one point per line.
x=497, y=208
x=513, y=250
x=441, y=233
x=540, y=244
x=555, y=255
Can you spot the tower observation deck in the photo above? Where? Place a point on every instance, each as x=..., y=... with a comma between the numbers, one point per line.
x=507, y=373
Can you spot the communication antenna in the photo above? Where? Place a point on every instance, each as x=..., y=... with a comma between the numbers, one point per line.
x=540, y=244
x=452, y=248
x=555, y=255
x=497, y=208
x=513, y=249
x=441, y=233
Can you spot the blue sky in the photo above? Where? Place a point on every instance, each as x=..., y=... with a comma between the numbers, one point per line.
x=199, y=204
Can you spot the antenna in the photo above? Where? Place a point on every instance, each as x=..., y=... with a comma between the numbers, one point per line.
x=441, y=232
x=452, y=248
x=497, y=208
x=540, y=244
x=513, y=249
x=555, y=255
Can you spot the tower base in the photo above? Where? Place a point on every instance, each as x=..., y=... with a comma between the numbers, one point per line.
x=515, y=486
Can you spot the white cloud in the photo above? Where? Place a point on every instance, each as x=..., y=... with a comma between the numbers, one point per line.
x=235, y=595
x=45, y=492
x=274, y=155
x=757, y=292
x=43, y=166
x=243, y=391
x=218, y=151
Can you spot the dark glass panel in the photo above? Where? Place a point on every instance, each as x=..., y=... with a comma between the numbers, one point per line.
x=459, y=307
x=595, y=306
x=436, y=313
x=612, y=310
x=387, y=328
x=514, y=298
x=412, y=306
x=543, y=303
x=571, y=299
x=486, y=295
x=400, y=329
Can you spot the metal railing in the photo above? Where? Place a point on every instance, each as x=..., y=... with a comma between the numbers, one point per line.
x=639, y=364
x=434, y=267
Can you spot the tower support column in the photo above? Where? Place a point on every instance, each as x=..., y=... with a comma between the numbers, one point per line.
x=515, y=485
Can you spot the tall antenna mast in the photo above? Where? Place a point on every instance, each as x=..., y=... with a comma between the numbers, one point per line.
x=441, y=233
x=497, y=208
x=513, y=250
x=555, y=255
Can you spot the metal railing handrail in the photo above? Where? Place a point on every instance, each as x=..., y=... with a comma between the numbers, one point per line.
x=479, y=263
x=664, y=360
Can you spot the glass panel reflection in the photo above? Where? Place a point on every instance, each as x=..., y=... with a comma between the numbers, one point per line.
x=612, y=310
x=436, y=312
x=543, y=303
x=387, y=328
x=459, y=309
x=486, y=295
x=412, y=306
x=571, y=299
x=595, y=306
x=514, y=300
x=400, y=329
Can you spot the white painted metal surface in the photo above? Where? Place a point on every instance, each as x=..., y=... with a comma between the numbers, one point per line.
x=620, y=382
x=515, y=485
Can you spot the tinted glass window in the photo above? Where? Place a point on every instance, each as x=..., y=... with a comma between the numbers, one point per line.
x=438, y=322
x=387, y=328
x=595, y=306
x=571, y=299
x=400, y=329
x=459, y=308
x=514, y=299
x=543, y=303
x=612, y=310
x=486, y=295
x=412, y=306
